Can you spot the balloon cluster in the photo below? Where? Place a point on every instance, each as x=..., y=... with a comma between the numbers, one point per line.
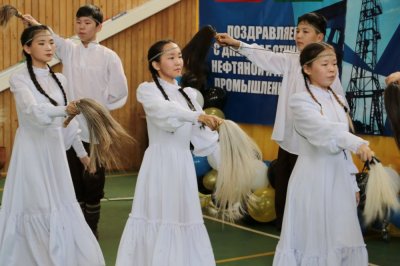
x=261, y=206
x=212, y=100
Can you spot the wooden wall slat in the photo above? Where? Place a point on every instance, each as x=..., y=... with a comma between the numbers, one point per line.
x=131, y=45
x=178, y=22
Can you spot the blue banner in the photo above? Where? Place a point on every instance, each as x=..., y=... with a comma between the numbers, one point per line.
x=364, y=34
x=252, y=92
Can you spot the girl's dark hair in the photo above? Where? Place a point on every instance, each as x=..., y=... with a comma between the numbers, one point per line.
x=90, y=11
x=26, y=39
x=317, y=20
x=307, y=56
x=154, y=54
x=392, y=106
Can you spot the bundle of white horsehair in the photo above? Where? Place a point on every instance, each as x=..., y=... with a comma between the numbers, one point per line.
x=107, y=137
x=236, y=171
x=381, y=192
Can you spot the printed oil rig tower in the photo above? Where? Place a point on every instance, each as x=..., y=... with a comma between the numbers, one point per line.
x=364, y=93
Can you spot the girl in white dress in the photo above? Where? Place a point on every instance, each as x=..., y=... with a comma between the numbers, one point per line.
x=320, y=225
x=166, y=227
x=41, y=222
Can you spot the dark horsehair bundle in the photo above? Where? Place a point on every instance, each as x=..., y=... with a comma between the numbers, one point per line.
x=7, y=12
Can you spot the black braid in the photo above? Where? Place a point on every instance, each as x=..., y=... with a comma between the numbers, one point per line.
x=189, y=102
x=35, y=82
x=312, y=95
x=346, y=110
x=37, y=85
x=155, y=78
x=59, y=84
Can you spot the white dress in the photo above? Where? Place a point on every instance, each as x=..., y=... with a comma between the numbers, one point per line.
x=166, y=227
x=41, y=222
x=320, y=225
x=288, y=65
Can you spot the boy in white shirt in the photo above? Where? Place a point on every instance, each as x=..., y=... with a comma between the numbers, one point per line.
x=93, y=71
x=311, y=27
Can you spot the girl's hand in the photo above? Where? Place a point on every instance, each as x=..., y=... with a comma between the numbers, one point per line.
x=224, y=39
x=28, y=20
x=392, y=78
x=358, y=198
x=211, y=121
x=72, y=109
x=365, y=153
x=85, y=161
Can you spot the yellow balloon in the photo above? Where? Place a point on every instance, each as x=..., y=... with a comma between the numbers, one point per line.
x=210, y=179
x=204, y=200
x=261, y=205
x=214, y=111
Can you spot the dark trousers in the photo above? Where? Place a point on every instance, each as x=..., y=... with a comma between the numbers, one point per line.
x=283, y=169
x=89, y=188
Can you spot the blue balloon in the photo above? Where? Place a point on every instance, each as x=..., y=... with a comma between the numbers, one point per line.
x=201, y=165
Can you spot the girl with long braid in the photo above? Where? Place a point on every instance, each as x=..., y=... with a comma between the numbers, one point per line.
x=40, y=220
x=166, y=226
x=320, y=225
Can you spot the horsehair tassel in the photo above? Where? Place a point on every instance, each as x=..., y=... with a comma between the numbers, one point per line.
x=108, y=139
x=381, y=192
x=236, y=172
x=7, y=12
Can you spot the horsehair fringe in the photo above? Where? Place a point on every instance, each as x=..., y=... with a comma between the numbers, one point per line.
x=236, y=172
x=7, y=12
x=381, y=192
x=107, y=137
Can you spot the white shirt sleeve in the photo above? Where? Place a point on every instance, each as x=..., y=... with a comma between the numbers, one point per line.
x=72, y=138
x=168, y=115
x=317, y=129
x=263, y=58
x=117, y=84
x=204, y=140
x=63, y=46
x=42, y=113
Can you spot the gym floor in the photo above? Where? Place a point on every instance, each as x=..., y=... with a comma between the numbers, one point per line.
x=244, y=243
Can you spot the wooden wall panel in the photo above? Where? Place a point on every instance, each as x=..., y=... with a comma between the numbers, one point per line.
x=131, y=45
x=179, y=22
x=384, y=147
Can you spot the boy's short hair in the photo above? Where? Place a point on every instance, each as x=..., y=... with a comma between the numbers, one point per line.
x=90, y=11
x=316, y=20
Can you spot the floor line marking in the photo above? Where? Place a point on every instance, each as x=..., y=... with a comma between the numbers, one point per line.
x=246, y=257
x=240, y=227
x=121, y=175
